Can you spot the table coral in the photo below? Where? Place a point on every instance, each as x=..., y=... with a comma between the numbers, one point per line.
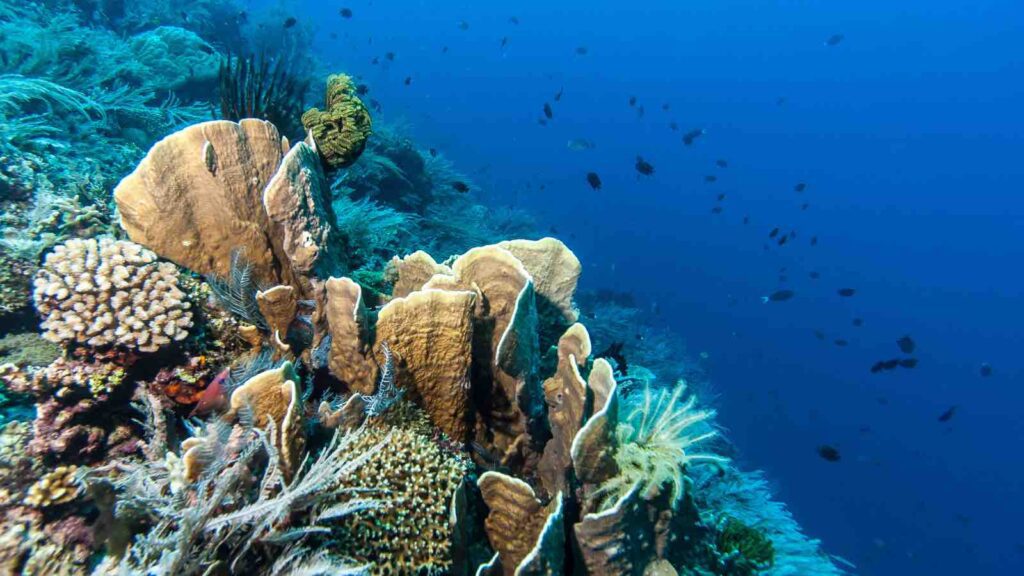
x=105, y=293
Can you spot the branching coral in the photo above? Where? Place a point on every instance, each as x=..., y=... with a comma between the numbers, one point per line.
x=656, y=441
x=110, y=293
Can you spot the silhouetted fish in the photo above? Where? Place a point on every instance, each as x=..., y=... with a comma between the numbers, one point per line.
x=408, y=80
x=673, y=126
x=362, y=89
x=948, y=414
x=547, y=111
x=643, y=166
x=908, y=363
x=782, y=240
x=814, y=275
x=579, y=145
x=819, y=334
x=558, y=95
x=463, y=25
x=858, y=322
x=721, y=197
x=800, y=187
x=433, y=152
x=289, y=22
x=834, y=40
x=773, y=233
x=814, y=240
x=716, y=210
x=986, y=370
x=594, y=180
x=711, y=179
x=632, y=100
x=513, y=20
x=390, y=56
x=846, y=292
x=778, y=296
x=460, y=186
x=666, y=107
x=582, y=50
x=829, y=453
x=746, y=219
x=691, y=136
x=722, y=163
x=906, y=344
x=504, y=41
x=345, y=13
x=804, y=206
x=840, y=342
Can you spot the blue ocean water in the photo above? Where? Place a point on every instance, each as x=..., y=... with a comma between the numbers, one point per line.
x=907, y=134
x=881, y=140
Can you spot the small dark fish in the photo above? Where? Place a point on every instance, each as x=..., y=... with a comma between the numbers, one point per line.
x=289, y=22
x=632, y=101
x=390, y=56
x=877, y=367
x=947, y=415
x=800, y=187
x=433, y=152
x=858, y=322
x=819, y=334
x=691, y=136
x=362, y=89
x=460, y=186
x=513, y=20
x=463, y=25
x=444, y=49
x=834, y=40
x=375, y=61
x=773, y=233
x=547, y=111
x=582, y=50
x=814, y=274
x=846, y=292
x=908, y=363
x=643, y=166
x=542, y=121
x=558, y=95
x=408, y=80
x=345, y=13
x=906, y=344
x=780, y=100
x=710, y=179
x=666, y=107
x=814, y=240
x=554, y=230
x=804, y=206
x=594, y=180
x=986, y=370
x=746, y=219
x=891, y=364
x=829, y=453
x=722, y=163
x=840, y=342
x=716, y=210
x=639, y=111
x=778, y=296
x=783, y=240
x=792, y=234
x=673, y=126
x=721, y=197
x=504, y=41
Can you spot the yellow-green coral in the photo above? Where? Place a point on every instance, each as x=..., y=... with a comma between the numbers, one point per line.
x=410, y=533
x=339, y=132
x=57, y=487
x=755, y=548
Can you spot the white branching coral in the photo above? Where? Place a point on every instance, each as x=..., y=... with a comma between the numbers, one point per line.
x=110, y=293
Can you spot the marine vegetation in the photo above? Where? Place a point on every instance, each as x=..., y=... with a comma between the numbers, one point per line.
x=341, y=362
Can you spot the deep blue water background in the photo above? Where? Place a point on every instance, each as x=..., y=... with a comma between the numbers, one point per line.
x=909, y=135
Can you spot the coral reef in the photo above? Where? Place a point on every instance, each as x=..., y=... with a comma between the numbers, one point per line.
x=110, y=293
x=55, y=488
x=175, y=58
x=258, y=88
x=341, y=130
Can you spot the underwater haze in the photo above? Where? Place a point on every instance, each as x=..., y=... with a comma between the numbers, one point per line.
x=797, y=227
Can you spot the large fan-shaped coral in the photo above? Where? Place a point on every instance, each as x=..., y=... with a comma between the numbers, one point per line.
x=110, y=293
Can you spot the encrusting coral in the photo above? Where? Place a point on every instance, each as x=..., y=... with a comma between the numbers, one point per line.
x=339, y=132
x=110, y=293
x=416, y=477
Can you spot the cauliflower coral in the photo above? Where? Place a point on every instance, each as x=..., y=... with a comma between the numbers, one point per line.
x=107, y=293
